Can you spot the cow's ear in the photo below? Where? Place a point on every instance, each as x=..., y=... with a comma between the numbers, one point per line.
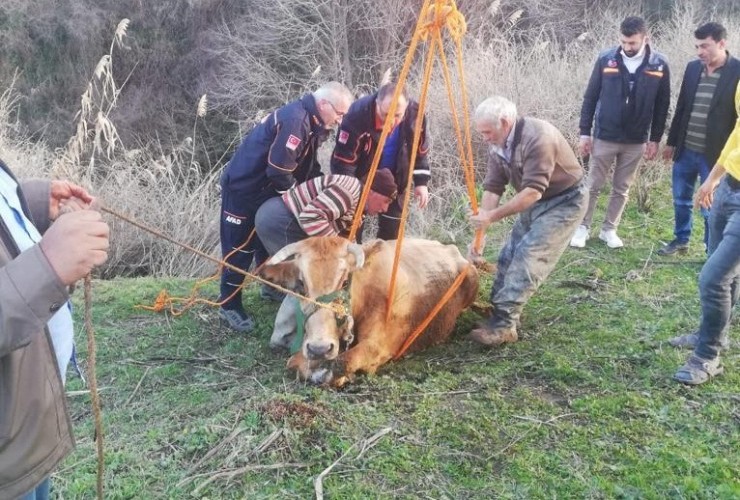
x=284, y=274
x=371, y=248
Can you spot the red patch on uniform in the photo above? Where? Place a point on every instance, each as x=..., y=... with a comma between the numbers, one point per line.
x=343, y=136
x=612, y=63
x=293, y=142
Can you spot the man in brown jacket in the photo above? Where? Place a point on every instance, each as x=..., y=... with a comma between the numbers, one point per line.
x=534, y=157
x=35, y=273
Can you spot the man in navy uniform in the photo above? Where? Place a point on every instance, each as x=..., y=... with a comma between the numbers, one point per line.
x=357, y=142
x=277, y=154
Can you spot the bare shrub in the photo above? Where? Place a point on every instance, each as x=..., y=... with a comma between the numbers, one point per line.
x=651, y=175
x=171, y=195
x=164, y=183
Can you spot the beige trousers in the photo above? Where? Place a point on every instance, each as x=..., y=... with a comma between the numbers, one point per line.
x=625, y=159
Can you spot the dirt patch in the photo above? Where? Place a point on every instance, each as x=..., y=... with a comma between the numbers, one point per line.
x=296, y=414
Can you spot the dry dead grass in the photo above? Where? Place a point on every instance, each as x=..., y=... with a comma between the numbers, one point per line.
x=169, y=190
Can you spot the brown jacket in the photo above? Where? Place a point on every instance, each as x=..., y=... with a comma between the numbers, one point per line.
x=541, y=159
x=35, y=431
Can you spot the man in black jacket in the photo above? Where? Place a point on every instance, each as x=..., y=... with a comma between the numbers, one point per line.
x=357, y=142
x=704, y=118
x=278, y=153
x=626, y=101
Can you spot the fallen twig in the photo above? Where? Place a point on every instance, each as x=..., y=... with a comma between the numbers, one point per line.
x=137, y=386
x=260, y=448
x=233, y=435
x=365, y=444
x=588, y=285
x=71, y=394
x=531, y=429
x=241, y=470
x=318, y=483
x=372, y=441
x=439, y=393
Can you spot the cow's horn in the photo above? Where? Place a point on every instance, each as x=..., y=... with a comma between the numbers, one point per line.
x=285, y=252
x=359, y=254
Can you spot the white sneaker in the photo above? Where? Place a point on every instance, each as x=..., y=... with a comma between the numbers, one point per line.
x=580, y=237
x=610, y=237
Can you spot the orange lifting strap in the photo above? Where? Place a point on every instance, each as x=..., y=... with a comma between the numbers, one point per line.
x=435, y=16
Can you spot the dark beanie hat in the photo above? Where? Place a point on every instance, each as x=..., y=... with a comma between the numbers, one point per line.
x=385, y=184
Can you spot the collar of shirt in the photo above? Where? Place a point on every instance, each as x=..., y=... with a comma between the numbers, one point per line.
x=506, y=151
x=634, y=62
x=309, y=104
x=21, y=229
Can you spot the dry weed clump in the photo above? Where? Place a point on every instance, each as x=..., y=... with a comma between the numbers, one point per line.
x=25, y=157
x=167, y=192
x=295, y=413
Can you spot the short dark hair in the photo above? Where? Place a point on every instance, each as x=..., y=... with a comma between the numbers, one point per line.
x=386, y=90
x=715, y=30
x=633, y=25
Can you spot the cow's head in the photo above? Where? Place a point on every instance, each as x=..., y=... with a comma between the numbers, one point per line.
x=318, y=268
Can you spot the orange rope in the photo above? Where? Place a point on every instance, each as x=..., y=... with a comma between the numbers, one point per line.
x=388, y=121
x=335, y=308
x=165, y=301
x=407, y=192
x=442, y=14
x=478, y=241
x=433, y=313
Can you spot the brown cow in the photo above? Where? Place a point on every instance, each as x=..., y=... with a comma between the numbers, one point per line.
x=320, y=267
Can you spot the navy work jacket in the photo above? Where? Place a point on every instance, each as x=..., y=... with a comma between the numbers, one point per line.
x=279, y=152
x=357, y=141
x=624, y=111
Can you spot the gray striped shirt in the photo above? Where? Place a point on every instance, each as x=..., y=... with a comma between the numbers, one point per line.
x=696, y=133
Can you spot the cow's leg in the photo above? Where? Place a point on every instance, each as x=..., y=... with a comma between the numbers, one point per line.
x=285, y=324
x=364, y=357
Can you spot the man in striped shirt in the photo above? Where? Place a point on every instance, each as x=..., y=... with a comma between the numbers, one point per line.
x=704, y=118
x=322, y=206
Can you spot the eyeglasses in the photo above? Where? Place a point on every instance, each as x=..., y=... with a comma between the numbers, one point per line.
x=340, y=114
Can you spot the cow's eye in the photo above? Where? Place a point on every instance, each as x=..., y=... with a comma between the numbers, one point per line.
x=299, y=286
x=345, y=284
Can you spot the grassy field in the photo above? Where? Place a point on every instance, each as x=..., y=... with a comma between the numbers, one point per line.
x=583, y=406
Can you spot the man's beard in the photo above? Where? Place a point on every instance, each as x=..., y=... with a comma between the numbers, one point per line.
x=632, y=53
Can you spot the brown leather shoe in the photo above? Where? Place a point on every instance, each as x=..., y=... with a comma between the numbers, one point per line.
x=494, y=336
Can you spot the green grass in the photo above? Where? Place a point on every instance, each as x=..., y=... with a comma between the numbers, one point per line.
x=582, y=406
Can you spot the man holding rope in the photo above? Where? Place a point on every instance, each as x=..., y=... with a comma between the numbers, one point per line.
x=50, y=239
x=550, y=200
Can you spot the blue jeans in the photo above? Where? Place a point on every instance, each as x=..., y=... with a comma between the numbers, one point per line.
x=687, y=167
x=40, y=492
x=720, y=276
x=539, y=237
